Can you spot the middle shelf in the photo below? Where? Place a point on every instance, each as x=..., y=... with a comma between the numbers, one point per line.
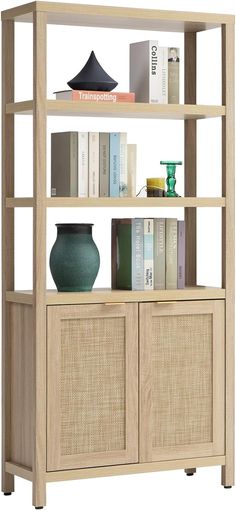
x=12, y=202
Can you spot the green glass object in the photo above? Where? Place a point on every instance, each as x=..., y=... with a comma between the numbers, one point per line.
x=74, y=258
x=171, y=180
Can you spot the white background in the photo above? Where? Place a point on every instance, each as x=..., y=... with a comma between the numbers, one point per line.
x=68, y=50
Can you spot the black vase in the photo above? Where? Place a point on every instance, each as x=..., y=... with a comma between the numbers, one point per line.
x=92, y=77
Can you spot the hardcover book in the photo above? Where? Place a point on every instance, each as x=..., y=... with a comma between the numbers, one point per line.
x=64, y=164
x=83, y=164
x=148, y=253
x=171, y=253
x=121, y=255
x=144, y=71
x=123, y=189
x=159, y=253
x=173, y=75
x=93, y=164
x=114, y=164
x=95, y=96
x=104, y=148
x=137, y=253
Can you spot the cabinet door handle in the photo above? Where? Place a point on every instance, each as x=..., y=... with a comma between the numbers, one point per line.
x=114, y=304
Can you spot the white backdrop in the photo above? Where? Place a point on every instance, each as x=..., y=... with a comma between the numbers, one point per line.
x=68, y=50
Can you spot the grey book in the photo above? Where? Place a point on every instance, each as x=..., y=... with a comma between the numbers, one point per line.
x=104, y=171
x=64, y=164
x=144, y=71
x=159, y=253
x=137, y=254
x=181, y=254
x=171, y=253
x=173, y=75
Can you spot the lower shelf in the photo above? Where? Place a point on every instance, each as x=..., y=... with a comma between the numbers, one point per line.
x=126, y=469
x=118, y=296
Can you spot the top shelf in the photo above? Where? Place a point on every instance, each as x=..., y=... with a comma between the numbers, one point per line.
x=118, y=17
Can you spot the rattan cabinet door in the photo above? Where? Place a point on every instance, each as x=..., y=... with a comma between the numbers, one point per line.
x=92, y=374
x=181, y=380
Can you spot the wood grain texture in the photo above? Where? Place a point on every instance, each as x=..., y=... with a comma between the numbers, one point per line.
x=39, y=258
x=228, y=240
x=7, y=240
x=117, y=296
x=120, y=202
x=22, y=338
x=190, y=157
x=121, y=110
x=199, y=429
x=98, y=333
x=18, y=470
x=145, y=467
x=119, y=17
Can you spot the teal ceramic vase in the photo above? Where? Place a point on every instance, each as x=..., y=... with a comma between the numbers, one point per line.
x=74, y=258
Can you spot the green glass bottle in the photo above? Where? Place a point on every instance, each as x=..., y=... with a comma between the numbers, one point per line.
x=171, y=180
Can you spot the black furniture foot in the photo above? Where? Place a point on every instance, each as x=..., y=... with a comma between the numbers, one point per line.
x=227, y=486
x=189, y=474
x=38, y=507
x=7, y=493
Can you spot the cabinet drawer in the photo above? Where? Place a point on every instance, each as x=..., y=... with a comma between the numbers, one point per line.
x=92, y=373
x=181, y=380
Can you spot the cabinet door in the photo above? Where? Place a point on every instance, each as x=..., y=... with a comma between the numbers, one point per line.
x=92, y=385
x=181, y=380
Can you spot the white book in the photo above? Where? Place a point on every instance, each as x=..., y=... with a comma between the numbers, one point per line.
x=171, y=253
x=162, y=75
x=131, y=169
x=144, y=71
x=93, y=164
x=83, y=165
x=137, y=254
x=148, y=253
x=123, y=165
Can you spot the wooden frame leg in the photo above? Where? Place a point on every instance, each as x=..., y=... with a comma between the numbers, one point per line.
x=8, y=484
x=227, y=475
x=190, y=471
x=39, y=493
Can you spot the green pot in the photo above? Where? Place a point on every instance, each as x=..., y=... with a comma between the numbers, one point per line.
x=74, y=259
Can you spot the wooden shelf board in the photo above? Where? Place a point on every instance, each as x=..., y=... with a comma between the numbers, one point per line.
x=118, y=17
x=121, y=202
x=118, y=296
x=124, y=110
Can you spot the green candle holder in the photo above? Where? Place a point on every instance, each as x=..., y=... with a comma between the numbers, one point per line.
x=171, y=180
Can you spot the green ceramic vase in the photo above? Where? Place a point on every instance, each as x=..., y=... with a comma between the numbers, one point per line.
x=74, y=258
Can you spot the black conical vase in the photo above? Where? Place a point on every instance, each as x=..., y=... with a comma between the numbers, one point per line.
x=92, y=77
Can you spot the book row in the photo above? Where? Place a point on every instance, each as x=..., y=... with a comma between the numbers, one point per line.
x=92, y=164
x=148, y=253
x=154, y=72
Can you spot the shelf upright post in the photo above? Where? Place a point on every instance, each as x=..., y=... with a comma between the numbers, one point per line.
x=228, y=242
x=39, y=256
x=190, y=156
x=7, y=240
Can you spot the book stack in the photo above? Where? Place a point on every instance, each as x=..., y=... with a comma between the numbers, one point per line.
x=154, y=72
x=92, y=165
x=148, y=253
x=94, y=96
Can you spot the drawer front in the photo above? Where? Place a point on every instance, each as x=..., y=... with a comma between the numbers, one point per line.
x=181, y=380
x=92, y=385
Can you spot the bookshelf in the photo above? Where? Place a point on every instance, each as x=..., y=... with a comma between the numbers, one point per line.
x=151, y=329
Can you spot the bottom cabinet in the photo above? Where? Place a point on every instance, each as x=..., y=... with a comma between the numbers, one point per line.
x=92, y=373
x=181, y=380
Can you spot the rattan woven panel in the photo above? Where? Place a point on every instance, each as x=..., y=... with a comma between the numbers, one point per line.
x=92, y=385
x=182, y=387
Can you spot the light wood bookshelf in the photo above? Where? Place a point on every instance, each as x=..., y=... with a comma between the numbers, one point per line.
x=33, y=439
